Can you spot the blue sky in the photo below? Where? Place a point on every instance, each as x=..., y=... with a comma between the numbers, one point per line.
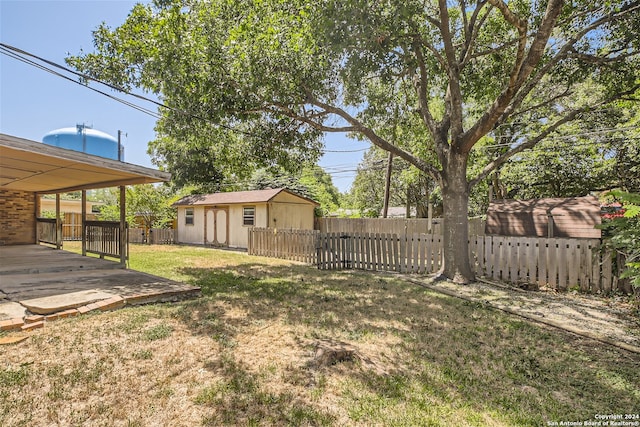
x=34, y=102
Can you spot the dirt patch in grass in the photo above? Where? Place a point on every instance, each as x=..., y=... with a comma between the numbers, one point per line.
x=611, y=319
x=244, y=355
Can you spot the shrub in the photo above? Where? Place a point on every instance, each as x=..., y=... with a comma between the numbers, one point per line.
x=622, y=233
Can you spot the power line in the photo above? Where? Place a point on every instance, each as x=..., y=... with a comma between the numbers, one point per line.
x=10, y=54
x=20, y=54
x=346, y=151
x=602, y=131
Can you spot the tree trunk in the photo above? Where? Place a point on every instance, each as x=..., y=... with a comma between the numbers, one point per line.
x=455, y=233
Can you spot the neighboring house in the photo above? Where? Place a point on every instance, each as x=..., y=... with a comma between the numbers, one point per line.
x=398, y=212
x=69, y=206
x=552, y=217
x=223, y=219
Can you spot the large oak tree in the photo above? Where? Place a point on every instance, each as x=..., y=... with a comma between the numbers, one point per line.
x=449, y=73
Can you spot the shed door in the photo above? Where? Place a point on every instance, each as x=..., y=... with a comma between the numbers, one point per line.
x=221, y=227
x=210, y=230
x=216, y=226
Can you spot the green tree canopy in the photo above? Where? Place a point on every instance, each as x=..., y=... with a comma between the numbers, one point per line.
x=146, y=203
x=311, y=182
x=425, y=80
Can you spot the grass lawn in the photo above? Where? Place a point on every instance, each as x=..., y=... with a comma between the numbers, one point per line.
x=243, y=354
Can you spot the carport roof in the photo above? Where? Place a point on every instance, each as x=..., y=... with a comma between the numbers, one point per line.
x=32, y=166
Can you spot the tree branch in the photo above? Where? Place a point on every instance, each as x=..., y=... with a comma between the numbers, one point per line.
x=465, y=55
x=521, y=26
x=554, y=98
x=599, y=60
x=357, y=126
x=494, y=50
x=421, y=88
x=454, y=93
x=525, y=145
x=520, y=72
x=562, y=54
x=548, y=131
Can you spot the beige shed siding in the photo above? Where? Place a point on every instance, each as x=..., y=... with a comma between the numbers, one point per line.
x=193, y=234
x=285, y=197
x=282, y=210
x=290, y=212
x=238, y=232
x=291, y=216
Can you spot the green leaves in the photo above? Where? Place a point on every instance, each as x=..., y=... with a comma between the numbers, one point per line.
x=623, y=234
x=256, y=83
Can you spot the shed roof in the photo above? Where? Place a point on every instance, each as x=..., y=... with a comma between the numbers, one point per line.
x=237, y=197
x=28, y=165
x=572, y=216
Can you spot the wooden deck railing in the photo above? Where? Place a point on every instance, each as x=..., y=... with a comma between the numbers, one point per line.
x=103, y=238
x=46, y=229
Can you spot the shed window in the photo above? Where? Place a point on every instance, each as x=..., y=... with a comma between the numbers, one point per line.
x=188, y=216
x=249, y=215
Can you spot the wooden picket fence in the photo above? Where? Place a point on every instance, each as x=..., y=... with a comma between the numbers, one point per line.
x=558, y=263
x=153, y=236
x=294, y=245
x=419, y=253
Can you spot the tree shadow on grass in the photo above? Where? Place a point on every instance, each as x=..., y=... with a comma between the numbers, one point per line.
x=432, y=355
x=241, y=398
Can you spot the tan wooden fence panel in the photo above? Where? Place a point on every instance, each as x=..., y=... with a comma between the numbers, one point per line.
x=417, y=253
x=137, y=235
x=294, y=245
x=558, y=263
x=72, y=225
x=399, y=226
x=162, y=236
x=153, y=236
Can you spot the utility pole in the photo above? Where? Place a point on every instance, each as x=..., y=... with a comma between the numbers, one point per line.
x=385, y=208
x=119, y=145
x=387, y=187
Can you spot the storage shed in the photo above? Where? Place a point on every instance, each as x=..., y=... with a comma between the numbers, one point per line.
x=551, y=217
x=224, y=219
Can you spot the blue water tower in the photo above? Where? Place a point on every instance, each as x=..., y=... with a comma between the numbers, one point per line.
x=87, y=140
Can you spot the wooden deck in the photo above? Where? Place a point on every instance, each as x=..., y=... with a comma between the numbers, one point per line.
x=33, y=272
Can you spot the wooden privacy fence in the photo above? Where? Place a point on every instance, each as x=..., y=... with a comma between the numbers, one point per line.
x=398, y=226
x=295, y=245
x=46, y=230
x=153, y=236
x=559, y=263
x=72, y=225
x=420, y=253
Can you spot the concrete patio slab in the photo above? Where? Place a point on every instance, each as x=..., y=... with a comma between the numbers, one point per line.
x=38, y=259
x=44, y=281
x=11, y=310
x=62, y=302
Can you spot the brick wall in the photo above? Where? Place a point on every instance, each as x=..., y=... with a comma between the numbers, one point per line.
x=17, y=217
